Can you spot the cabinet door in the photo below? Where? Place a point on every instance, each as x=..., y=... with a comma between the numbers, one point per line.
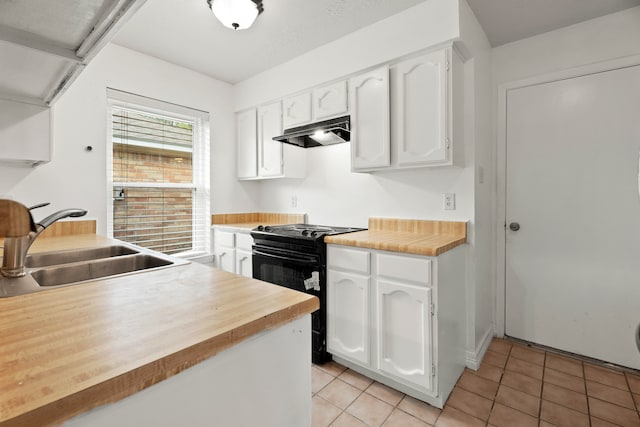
x=269, y=151
x=296, y=110
x=247, y=144
x=420, y=109
x=330, y=100
x=25, y=133
x=348, y=316
x=404, y=332
x=243, y=263
x=225, y=259
x=370, y=143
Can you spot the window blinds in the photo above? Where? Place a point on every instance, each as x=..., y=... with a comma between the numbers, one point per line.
x=159, y=176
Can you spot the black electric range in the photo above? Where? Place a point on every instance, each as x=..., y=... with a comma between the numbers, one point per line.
x=294, y=256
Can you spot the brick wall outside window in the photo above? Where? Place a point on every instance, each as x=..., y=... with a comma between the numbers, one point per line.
x=139, y=215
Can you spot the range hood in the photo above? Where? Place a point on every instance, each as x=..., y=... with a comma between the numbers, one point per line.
x=327, y=132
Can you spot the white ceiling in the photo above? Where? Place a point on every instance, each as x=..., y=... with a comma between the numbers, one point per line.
x=64, y=23
x=44, y=44
x=189, y=35
x=505, y=21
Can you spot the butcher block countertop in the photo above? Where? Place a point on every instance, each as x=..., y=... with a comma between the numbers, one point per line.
x=420, y=237
x=249, y=221
x=66, y=350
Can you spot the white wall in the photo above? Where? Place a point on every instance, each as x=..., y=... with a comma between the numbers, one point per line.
x=423, y=25
x=478, y=132
x=608, y=37
x=76, y=178
x=598, y=40
x=332, y=194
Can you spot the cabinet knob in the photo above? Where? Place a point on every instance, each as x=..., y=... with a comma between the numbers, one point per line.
x=514, y=226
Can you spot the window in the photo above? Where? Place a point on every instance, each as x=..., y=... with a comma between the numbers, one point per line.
x=158, y=174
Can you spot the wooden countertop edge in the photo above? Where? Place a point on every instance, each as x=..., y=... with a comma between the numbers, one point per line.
x=119, y=387
x=415, y=248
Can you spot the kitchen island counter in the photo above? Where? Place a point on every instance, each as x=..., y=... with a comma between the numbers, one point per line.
x=419, y=237
x=70, y=349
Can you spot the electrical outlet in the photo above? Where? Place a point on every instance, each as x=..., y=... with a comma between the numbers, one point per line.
x=449, y=201
x=294, y=201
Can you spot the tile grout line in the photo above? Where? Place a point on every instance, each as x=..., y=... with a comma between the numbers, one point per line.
x=626, y=378
x=586, y=393
x=504, y=368
x=544, y=368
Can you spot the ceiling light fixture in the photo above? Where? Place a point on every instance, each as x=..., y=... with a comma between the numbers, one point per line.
x=236, y=14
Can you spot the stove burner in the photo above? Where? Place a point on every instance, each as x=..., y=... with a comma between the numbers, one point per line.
x=303, y=230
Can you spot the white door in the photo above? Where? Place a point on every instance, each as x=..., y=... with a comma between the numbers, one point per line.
x=270, y=151
x=246, y=140
x=244, y=265
x=573, y=267
x=226, y=259
x=404, y=332
x=348, y=316
x=296, y=110
x=330, y=100
x=419, y=105
x=370, y=138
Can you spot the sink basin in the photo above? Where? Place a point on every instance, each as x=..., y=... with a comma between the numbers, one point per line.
x=64, y=268
x=96, y=269
x=79, y=255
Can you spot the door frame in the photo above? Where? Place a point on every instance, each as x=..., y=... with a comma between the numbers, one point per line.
x=501, y=158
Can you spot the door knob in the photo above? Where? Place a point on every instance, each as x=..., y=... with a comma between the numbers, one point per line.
x=514, y=226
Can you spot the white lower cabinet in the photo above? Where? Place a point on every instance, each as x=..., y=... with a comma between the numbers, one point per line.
x=232, y=251
x=226, y=258
x=244, y=266
x=348, y=310
x=398, y=318
x=404, y=332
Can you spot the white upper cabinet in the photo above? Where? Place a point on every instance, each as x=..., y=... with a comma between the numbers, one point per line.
x=323, y=103
x=247, y=143
x=426, y=106
x=269, y=151
x=258, y=155
x=296, y=110
x=330, y=100
x=25, y=133
x=419, y=104
x=370, y=142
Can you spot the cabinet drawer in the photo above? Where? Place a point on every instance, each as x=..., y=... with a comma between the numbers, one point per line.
x=224, y=238
x=348, y=259
x=404, y=268
x=244, y=241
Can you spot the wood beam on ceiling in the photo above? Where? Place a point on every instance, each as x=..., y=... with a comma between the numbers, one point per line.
x=10, y=96
x=105, y=29
x=37, y=43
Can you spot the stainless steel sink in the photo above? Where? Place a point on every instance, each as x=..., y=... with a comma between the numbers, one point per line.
x=65, y=268
x=97, y=269
x=77, y=255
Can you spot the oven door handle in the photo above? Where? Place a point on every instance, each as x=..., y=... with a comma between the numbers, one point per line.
x=286, y=258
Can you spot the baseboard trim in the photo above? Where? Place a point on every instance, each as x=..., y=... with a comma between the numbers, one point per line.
x=474, y=358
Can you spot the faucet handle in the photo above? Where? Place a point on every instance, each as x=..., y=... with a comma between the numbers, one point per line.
x=39, y=205
x=15, y=219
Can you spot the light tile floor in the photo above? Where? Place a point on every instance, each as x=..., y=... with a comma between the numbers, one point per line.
x=515, y=386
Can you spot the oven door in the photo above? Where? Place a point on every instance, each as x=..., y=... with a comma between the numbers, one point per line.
x=302, y=272
x=294, y=270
